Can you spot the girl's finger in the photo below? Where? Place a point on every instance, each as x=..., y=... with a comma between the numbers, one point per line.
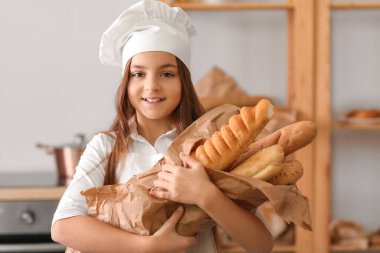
x=159, y=193
x=161, y=184
x=166, y=176
x=170, y=168
x=177, y=214
x=186, y=159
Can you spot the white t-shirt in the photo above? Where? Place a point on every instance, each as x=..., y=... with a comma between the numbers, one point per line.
x=91, y=170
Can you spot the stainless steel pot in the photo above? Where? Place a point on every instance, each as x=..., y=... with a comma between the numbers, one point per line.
x=66, y=157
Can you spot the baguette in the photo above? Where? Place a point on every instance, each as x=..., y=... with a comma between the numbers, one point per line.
x=227, y=144
x=273, y=155
x=291, y=171
x=292, y=137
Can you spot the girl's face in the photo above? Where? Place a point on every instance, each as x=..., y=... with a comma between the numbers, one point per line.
x=154, y=88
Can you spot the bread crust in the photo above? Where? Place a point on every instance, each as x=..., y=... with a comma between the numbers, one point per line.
x=269, y=172
x=272, y=155
x=227, y=144
x=364, y=114
x=292, y=137
x=290, y=172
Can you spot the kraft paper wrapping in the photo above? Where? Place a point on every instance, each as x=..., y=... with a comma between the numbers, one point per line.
x=130, y=207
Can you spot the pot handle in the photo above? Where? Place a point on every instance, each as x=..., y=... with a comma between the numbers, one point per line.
x=47, y=148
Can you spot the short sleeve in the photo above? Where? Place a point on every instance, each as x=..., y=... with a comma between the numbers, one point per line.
x=89, y=173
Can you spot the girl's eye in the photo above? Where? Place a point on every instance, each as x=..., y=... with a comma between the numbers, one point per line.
x=138, y=74
x=167, y=74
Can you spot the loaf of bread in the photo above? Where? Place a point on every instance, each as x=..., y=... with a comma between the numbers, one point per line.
x=262, y=165
x=269, y=165
x=269, y=172
x=227, y=144
x=292, y=137
x=345, y=229
x=290, y=172
x=364, y=114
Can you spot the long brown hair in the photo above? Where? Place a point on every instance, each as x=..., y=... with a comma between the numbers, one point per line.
x=188, y=110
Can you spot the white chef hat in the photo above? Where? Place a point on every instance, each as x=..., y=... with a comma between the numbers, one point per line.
x=148, y=25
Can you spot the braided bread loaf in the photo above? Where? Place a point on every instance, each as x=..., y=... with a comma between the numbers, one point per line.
x=227, y=144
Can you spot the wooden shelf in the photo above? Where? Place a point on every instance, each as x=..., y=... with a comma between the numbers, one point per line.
x=351, y=126
x=338, y=248
x=31, y=193
x=277, y=248
x=200, y=6
x=327, y=125
x=352, y=5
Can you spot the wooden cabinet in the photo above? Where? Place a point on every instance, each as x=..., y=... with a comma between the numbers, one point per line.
x=326, y=122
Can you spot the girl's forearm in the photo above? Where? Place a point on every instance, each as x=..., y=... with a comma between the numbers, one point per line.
x=90, y=235
x=244, y=227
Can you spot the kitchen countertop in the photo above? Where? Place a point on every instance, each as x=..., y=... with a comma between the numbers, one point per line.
x=30, y=185
x=31, y=193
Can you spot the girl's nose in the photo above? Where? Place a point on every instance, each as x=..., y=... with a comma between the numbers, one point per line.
x=151, y=83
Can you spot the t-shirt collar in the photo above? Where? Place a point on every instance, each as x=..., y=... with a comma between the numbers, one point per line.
x=171, y=134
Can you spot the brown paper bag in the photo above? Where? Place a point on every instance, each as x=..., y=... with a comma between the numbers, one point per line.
x=130, y=207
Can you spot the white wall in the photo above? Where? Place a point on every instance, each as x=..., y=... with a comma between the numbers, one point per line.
x=53, y=86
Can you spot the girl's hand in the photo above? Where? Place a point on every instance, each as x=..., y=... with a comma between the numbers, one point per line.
x=166, y=239
x=181, y=184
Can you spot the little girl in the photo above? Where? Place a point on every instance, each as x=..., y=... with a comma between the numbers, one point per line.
x=155, y=102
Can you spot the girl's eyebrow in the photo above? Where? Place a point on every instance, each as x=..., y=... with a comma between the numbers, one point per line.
x=161, y=67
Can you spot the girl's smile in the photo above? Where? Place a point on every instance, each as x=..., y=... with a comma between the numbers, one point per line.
x=153, y=100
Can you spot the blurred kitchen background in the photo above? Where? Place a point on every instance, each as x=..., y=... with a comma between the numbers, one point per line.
x=52, y=85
